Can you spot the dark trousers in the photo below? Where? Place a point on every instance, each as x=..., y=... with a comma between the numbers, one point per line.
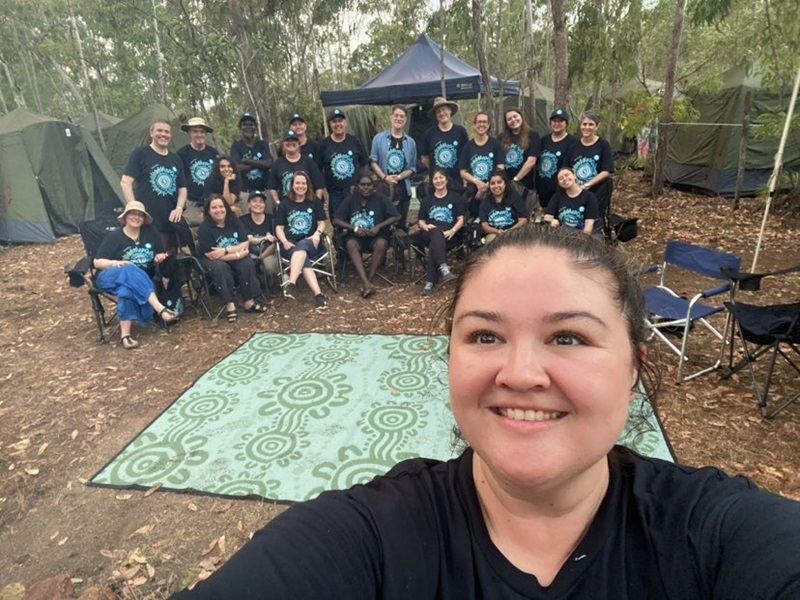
x=402, y=201
x=437, y=251
x=226, y=274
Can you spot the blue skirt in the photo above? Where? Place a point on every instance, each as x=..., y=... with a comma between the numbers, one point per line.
x=132, y=287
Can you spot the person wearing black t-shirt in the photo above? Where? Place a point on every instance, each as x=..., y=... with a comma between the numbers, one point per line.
x=341, y=157
x=366, y=217
x=592, y=161
x=502, y=209
x=308, y=147
x=126, y=261
x=522, y=148
x=154, y=176
x=482, y=156
x=441, y=217
x=198, y=161
x=547, y=348
x=252, y=159
x=287, y=164
x=572, y=206
x=225, y=251
x=226, y=183
x=444, y=142
x=555, y=148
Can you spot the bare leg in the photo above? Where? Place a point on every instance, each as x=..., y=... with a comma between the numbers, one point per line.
x=354, y=252
x=378, y=255
x=311, y=280
x=166, y=316
x=296, y=265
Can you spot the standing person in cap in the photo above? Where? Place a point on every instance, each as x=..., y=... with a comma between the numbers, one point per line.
x=289, y=162
x=592, y=161
x=198, y=160
x=308, y=147
x=555, y=147
x=154, y=176
x=341, y=157
x=394, y=161
x=252, y=159
x=127, y=260
x=482, y=156
x=444, y=142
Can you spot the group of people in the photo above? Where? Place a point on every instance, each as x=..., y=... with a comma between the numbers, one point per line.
x=230, y=209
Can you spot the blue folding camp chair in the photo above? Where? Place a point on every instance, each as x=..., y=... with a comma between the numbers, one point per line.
x=673, y=313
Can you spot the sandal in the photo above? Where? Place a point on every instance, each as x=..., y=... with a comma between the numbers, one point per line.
x=231, y=316
x=255, y=307
x=367, y=292
x=129, y=343
x=168, y=312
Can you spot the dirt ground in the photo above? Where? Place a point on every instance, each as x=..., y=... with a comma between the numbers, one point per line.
x=68, y=403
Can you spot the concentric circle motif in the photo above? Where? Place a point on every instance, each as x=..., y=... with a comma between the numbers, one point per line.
x=247, y=487
x=152, y=462
x=342, y=166
x=422, y=345
x=234, y=373
x=164, y=181
x=273, y=343
x=270, y=447
x=548, y=163
x=514, y=156
x=356, y=471
x=407, y=381
x=206, y=405
x=445, y=156
x=330, y=356
x=200, y=171
x=585, y=169
x=306, y=393
x=393, y=419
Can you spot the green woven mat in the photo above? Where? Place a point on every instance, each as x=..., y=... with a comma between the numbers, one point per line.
x=286, y=417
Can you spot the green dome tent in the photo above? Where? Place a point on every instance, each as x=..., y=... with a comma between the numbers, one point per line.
x=127, y=135
x=53, y=177
x=106, y=121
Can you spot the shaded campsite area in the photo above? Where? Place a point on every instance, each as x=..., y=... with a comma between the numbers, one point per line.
x=68, y=404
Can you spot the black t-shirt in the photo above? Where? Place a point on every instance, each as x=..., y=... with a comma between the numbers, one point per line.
x=377, y=209
x=280, y=175
x=505, y=214
x=553, y=157
x=442, y=212
x=663, y=531
x=197, y=166
x=254, y=179
x=396, y=157
x=588, y=161
x=341, y=161
x=216, y=185
x=516, y=155
x=480, y=161
x=142, y=252
x=573, y=212
x=310, y=149
x=444, y=149
x=210, y=236
x=259, y=230
x=299, y=219
x=157, y=179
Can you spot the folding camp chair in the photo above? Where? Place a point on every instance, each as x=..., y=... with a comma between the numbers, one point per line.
x=459, y=249
x=766, y=331
x=395, y=250
x=671, y=312
x=323, y=265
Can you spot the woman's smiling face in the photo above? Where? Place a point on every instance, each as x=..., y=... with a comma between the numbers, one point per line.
x=541, y=366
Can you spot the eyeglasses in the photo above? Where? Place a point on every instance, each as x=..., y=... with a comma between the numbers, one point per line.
x=481, y=122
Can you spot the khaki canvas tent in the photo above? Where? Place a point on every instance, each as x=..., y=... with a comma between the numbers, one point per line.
x=87, y=121
x=705, y=155
x=127, y=135
x=53, y=177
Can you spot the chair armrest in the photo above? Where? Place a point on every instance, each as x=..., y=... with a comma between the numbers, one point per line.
x=716, y=291
x=645, y=270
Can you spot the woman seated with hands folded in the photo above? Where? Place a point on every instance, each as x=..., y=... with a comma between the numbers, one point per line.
x=502, y=209
x=547, y=349
x=226, y=256
x=127, y=260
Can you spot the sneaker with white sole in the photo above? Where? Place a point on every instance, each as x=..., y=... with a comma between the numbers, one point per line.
x=320, y=302
x=428, y=289
x=290, y=291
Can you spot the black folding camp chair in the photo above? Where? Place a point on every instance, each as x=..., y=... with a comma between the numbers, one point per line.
x=672, y=312
x=768, y=331
x=458, y=249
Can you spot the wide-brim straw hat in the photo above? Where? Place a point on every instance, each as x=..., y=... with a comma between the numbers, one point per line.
x=196, y=122
x=440, y=101
x=135, y=205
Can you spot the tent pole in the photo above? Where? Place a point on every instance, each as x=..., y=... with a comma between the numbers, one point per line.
x=773, y=180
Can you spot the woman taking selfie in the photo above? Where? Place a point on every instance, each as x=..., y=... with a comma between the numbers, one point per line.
x=547, y=347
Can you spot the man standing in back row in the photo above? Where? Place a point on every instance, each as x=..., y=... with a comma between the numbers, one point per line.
x=252, y=159
x=198, y=159
x=444, y=142
x=154, y=176
x=340, y=159
x=394, y=161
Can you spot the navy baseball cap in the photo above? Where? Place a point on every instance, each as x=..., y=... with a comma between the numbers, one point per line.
x=296, y=117
x=247, y=117
x=335, y=113
x=290, y=136
x=560, y=114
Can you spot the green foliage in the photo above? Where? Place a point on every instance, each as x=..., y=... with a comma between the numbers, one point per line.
x=640, y=110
